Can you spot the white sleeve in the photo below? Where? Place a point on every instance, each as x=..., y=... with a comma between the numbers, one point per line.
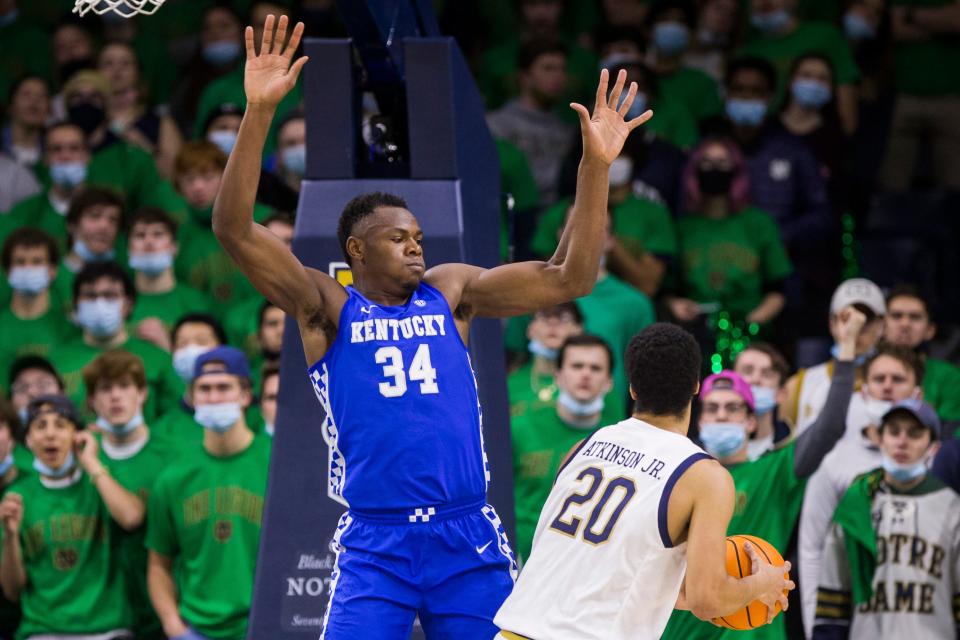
x=819, y=504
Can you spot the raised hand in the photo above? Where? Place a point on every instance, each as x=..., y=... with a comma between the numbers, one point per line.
x=11, y=513
x=269, y=76
x=776, y=581
x=87, y=449
x=606, y=130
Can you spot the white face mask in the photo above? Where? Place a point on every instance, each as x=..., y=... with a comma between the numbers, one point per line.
x=875, y=409
x=580, y=408
x=185, y=358
x=621, y=170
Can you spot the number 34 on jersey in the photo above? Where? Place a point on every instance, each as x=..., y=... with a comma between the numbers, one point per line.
x=420, y=370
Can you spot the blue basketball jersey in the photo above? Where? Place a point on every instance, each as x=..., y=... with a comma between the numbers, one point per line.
x=403, y=422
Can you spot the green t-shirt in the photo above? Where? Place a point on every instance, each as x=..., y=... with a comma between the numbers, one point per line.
x=204, y=265
x=639, y=224
x=170, y=306
x=692, y=88
x=516, y=178
x=730, y=260
x=164, y=385
x=137, y=474
x=240, y=324
x=228, y=89
x=808, y=37
x=178, y=430
x=540, y=441
x=767, y=505
x=74, y=584
x=928, y=67
x=941, y=388
x=206, y=513
x=37, y=212
x=675, y=122
x=35, y=336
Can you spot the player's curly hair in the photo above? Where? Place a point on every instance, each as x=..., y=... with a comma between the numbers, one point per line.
x=361, y=207
x=663, y=364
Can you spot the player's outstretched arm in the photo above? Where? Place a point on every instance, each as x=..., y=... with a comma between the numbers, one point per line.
x=523, y=287
x=707, y=490
x=263, y=258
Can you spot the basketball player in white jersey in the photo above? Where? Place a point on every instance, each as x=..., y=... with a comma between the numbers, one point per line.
x=636, y=522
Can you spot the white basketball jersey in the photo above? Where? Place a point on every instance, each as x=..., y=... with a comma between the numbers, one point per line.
x=603, y=565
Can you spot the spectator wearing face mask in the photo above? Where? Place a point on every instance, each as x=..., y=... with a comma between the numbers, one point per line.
x=193, y=335
x=228, y=89
x=891, y=566
x=892, y=376
x=290, y=164
x=643, y=241
x=669, y=26
x=227, y=479
x=161, y=298
x=269, y=392
x=533, y=384
x=730, y=255
x=94, y=220
x=909, y=324
x=806, y=390
x=103, y=299
x=770, y=488
x=27, y=114
x=542, y=437
x=34, y=321
x=117, y=385
x=717, y=32
x=810, y=113
x=66, y=578
x=781, y=36
x=17, y=35
x=128, y=110
x=765, y=370
x=927, y=109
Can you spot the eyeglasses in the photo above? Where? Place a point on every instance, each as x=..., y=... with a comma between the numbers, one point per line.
x=100, y=295
x=733, y=408
x=40, y=388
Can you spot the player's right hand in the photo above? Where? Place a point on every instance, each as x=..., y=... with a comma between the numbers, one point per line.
x=774, y=580
x=11, y=512
x=269, y=76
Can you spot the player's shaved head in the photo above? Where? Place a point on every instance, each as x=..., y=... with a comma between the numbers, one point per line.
x=663, y=364
x=359, y=208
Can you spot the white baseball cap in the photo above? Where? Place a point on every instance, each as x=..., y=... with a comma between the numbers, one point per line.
x=858, y=290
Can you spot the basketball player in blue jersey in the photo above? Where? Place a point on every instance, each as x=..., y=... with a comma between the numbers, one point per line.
x=389, y=363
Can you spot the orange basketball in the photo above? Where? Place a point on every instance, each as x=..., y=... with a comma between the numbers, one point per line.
x=738, y=565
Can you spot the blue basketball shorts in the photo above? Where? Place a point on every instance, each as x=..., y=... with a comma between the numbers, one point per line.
x=451, y=566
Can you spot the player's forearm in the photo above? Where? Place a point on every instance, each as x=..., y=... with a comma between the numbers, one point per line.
x=163, y=594
x=13, y=577
x=584, y=235
x=124, y=507
x=233, y=208
x=727, y=596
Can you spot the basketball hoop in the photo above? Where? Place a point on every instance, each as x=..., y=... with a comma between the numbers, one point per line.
x=125, y=8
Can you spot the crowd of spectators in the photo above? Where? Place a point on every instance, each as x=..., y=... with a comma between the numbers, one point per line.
x=792, y=204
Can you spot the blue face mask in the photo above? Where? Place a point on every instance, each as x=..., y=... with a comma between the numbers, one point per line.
x=903, y=472
x=671, y=38
x=65, y=469
x=746, y=113
x=218, y=417
x=221, y=53
x=102, y=318
x=29, y=281
x=723, y=439
x=151, y=264
x=537, y=348
x=68, y=174
x=123, y=428
x=295, y=159
x=579, y=408
x=857, y=28
x=185, y=358
x=764, y=399
x=87, y=255
x=857, y=360
x=225, y=140
x=6, y=464
x=771, y=22
x=810, y=93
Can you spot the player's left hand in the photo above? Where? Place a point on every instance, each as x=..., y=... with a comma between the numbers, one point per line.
x=605, y=131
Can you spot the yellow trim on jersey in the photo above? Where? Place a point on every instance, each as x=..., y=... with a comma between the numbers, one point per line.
x=795, y=409
x=513, y=636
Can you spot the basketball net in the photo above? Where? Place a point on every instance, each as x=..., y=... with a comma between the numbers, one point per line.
x=125, y=8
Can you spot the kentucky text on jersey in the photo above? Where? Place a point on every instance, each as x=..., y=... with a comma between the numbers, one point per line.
x=393, y=329
x=612, y=452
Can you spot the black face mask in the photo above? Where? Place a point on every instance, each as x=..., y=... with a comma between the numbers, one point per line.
x=87, y=116
x=714, y=182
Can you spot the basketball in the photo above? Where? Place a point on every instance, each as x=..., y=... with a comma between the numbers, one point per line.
x=738, y=565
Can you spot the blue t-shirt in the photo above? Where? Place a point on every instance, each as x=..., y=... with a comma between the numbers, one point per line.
x=403, y=422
